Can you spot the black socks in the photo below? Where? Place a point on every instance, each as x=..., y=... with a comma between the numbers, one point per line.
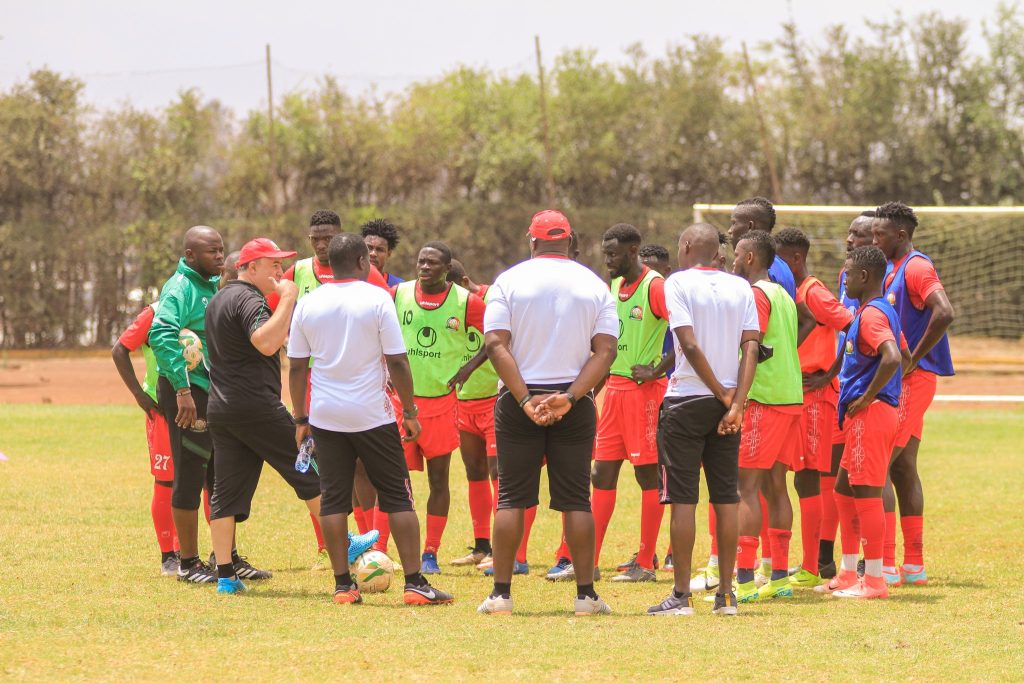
x=586, y=590
x=482, y=545
x=416, y=579
x=343, y=580
x=502, y=590
x=226, y=571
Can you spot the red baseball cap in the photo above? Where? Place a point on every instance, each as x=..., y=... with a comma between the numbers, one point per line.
x=550, y=225
x=261, y=247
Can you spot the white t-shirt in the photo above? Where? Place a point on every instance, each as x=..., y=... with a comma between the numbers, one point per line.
x=719, y=307
x=553, y=307
x=347, y=328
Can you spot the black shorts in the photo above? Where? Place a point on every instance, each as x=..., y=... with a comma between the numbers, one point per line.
x=191, y=449
x=240, y=449
x=380, y=451
x=523, y=445
x=688, y=438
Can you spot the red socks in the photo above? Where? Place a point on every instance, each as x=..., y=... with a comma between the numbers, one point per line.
x=163, y=522
x=712, y=522
x=603, y=503
x=872, y=526
x=849, y=524
x=651, y=513
x=563, y=549
x=435, y=529
x=810, y=528
x=746, y=558
x=206, y=505
x=829, y=513
x=529, y=515
x=779, y=539
x=381, y=524
x=480, y=508
x=362, y=523
x=320, y=545
x=889, y=544
x=913, y=539
x=766, y=544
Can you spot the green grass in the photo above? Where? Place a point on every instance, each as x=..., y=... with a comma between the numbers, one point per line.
x=81, y=598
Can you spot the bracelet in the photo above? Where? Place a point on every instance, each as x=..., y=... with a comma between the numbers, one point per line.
x=411, y=414
x=302, y=420
x=572, y=399
x=526, y=399
x=183, y=391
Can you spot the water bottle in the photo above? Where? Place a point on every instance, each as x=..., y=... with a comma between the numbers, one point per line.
x=305, y=455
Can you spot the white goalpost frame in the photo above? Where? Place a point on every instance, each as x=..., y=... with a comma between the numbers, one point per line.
x=700, y=209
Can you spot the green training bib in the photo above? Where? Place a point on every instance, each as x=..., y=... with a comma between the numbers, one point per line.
x=777, y=381
x=641, y=333
x=483, y=383
x=435, y=340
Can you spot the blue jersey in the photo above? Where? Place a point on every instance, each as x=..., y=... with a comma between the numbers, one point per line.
x=859, y=368
x=780, y=274
x=393, y=280
x=915, y=322
x=667, y=348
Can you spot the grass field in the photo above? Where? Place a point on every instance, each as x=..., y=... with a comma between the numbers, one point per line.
x=81, y=597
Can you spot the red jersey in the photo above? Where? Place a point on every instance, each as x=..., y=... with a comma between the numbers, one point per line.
x=875, y=331
x=818, y=351
x=325, y=275
x=475, y=305
x=921, y=278
x=655, y=293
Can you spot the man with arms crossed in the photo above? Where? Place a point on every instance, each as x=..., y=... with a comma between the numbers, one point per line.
x=350, y=330
x=714, y=320
x=550, y=331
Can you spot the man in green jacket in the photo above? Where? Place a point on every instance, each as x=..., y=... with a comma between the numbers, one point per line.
x=178, y=340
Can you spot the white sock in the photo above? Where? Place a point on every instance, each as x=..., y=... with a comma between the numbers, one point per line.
x=873, y=568
x=713, y=561
x=850, y=562
x=766, y=562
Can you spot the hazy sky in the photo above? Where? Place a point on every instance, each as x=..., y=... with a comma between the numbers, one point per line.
x=145, y=51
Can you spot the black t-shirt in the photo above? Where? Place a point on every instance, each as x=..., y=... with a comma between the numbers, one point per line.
x=245, y=385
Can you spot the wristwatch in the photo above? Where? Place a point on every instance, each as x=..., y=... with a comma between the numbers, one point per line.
x=410, y=414
x=301, y=420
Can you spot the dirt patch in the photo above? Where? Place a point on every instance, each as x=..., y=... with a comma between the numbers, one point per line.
x=89, y=377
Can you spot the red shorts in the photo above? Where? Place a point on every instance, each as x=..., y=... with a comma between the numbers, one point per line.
x=477, y=417
x=838, y=435
x=770, y=434
x=440, y=435
x=159, y=440
x=917, y=395
x=816, y=427
x=869, y=441
x=628, y=425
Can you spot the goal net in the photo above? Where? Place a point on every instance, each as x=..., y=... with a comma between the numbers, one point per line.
x=977, y=251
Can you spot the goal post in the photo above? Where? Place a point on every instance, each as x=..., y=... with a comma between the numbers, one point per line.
x=977, y=250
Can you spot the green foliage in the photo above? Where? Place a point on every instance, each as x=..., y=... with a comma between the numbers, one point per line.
x=93, y=204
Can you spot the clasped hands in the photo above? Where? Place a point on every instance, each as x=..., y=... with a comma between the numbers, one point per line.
x=547, y=409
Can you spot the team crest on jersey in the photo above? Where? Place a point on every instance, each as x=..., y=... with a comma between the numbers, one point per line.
x=636, y=313
x=453, y=324
x=891, y=298
x=849, y=346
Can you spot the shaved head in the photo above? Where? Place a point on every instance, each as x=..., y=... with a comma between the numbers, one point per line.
x=204, y=250
x=698, y=245
x=199, y=234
